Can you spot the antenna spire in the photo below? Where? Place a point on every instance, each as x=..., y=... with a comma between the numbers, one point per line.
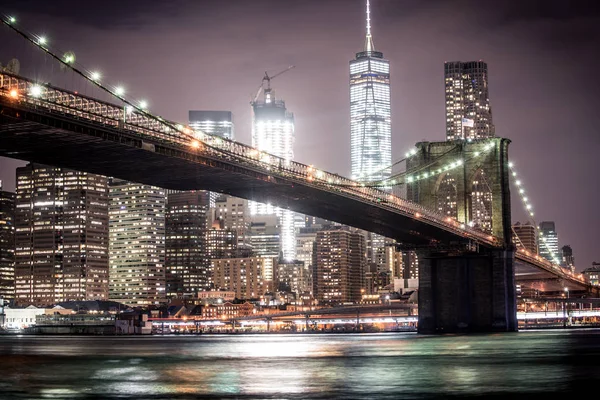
x=369, y=40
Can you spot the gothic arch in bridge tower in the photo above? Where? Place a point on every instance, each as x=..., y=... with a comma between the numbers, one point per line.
x=446, y=194
x=480, y=198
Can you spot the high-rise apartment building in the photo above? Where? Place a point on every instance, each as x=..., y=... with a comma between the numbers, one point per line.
x=548, y=242
x=219, y=123
x=187, y=266
x=61, y=239
x=291, y=276
x=370, y=113
x=273, y=133
x=7, y=244
x=525, y=236
x=341, y=263
x=137, y=243
x=249, y=277
x=221, y=242
x=468, y=111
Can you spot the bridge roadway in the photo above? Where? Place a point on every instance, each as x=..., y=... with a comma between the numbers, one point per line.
x=61, y=128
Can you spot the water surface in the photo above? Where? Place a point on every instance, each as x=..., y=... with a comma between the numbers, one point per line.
x=297, y=366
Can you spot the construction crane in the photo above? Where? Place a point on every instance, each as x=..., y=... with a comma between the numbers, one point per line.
x=268, y=79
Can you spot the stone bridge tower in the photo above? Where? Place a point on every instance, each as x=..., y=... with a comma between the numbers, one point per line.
x=474, y=191
x=465, y=290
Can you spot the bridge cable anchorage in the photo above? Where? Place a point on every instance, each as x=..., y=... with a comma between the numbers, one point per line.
x=233, y=152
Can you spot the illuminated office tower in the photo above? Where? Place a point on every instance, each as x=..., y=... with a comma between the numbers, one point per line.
x=137, y=243
x=468, y=111
x=7, y=244
x=370, y=113
x=61, y=239
x=273, y=133
x=548, y=241
x=219, y=123
x=187, y=267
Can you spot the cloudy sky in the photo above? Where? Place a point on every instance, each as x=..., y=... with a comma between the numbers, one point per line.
x=212, y=54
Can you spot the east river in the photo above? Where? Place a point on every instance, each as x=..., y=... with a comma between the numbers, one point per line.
x=302, y=366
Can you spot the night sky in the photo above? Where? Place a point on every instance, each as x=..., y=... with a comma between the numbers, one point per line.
x=211, y=55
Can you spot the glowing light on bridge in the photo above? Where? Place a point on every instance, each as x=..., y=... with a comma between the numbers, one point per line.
x=143, y=104
x=196, y=144
x=529, y=209
x=14, y=93
x=95, y=76
x=12, y=20
x=36, y=91
x=119, y=91
x=42, y=40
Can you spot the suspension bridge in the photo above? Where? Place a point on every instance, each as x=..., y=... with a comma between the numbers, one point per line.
x=46, y=124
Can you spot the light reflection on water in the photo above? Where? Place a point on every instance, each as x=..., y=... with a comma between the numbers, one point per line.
x=296, y=366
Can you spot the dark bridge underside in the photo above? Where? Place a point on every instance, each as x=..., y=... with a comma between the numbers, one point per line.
x=86, y=146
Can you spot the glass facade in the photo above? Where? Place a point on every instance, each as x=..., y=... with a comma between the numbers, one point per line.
x=370, y=117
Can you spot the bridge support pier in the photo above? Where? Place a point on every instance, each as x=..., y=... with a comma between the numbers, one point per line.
x=467, y=292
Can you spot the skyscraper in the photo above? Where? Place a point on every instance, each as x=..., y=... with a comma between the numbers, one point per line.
x=7, y=244
x=61, y=240
x=219, y=123
x=187, y=267
x=341, y=264
x=137, y=243
x=468, y=111
x=273, y=133
x=370, y=112
x=548, y=242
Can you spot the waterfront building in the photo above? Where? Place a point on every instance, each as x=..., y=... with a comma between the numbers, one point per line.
x=548, y=241
x=187, y=266
x=61, y=236
x=341, y=263
x=218, y=123
x=370, y=113
x=248, y=277
x=525, y=237
x=592, y=274
x=137, y=243
x=468, y=110
x=7, y=244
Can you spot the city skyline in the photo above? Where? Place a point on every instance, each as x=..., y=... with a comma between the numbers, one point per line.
x=519, y=88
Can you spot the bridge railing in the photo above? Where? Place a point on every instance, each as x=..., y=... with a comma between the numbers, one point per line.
x=536, y=259
x=148, y=126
